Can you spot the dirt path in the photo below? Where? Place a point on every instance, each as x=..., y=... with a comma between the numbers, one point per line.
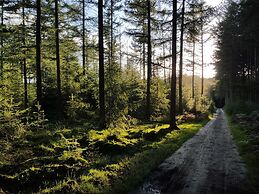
x=207, y=163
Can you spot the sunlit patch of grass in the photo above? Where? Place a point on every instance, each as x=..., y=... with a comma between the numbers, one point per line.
x=102, y=135
x=246, y=150
x=69, y=160
x=63, y=186
x=141, y=164
x=130, y=171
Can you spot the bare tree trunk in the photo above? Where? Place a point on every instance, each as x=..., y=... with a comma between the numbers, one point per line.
x=38, y=52
x=181, y=62
x=173, y=82
x=101, y=66
x=2, y=43
x=83, y=49
x=164, y=64
x=57, y=51
x=256, y=74
x=149, y=61
x=111, y=47
x=170, y=67
x=144, y=61
x=120, y=53
x=193, y=69
x=202, y=62
x=24, y=58
x=250, y=76
x=110, y=63
x=140, y=63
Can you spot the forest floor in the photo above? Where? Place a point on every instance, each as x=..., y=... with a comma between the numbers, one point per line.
x=207, y=163
x=76, y=159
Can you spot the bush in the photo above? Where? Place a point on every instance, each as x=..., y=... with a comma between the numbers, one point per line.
x=77, y=109
x=11, y=119
x=38, y=119
x=240, y=107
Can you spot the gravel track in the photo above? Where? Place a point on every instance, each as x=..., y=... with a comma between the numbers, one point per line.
x=208, y=163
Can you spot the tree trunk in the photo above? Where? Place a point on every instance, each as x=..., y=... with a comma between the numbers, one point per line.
x=38, y=52
x=256, y=74
x=250, y=82
x=110, y=65
x=2, y=43
x=173, y=79
x=164, y=64
x=57, y=50
x=83, y=49
x=111, y=35
x=181, y=62
x=59, y=96
x=202, y=62
x=149, y=60
x=24, y=58
x=144, y=61
x=120, y=54
x=193, y=69
x=101, y=66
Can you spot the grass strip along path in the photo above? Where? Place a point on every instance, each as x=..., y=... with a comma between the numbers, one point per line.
x=246, y=137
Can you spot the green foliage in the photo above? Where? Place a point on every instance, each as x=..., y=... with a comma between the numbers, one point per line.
x=38, y=120
x=71, y=150
x=199, y=103
x=65, y=160
x=205, y=105
x=77, y=109
x=38, y=155
x=240, y=107
x=159, y=99
x=11, y=117
x=134, y=90
x=134, y=170
x=116, y=98
x=237, y=67
x=96, y=181
x=247, y=141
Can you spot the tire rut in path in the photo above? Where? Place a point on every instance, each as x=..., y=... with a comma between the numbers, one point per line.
x=207, y=163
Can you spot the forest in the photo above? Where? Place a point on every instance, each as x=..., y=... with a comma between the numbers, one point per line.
x=95, y=94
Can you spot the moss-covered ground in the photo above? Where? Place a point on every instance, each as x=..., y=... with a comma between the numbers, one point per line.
x=69, y=159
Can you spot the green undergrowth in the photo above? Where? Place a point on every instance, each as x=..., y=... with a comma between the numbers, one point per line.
x=247, y=141
x=73, y=160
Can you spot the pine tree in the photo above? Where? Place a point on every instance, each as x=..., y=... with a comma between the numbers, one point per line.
x=38, y=52
x=83, y=39
x=26, y=101
x=57, y=52
x=181, y=60
x=173, y=78
x=149, y=60
x=101, y=66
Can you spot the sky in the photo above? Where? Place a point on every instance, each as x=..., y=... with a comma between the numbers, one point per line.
x=209, y=47
x=213, y=2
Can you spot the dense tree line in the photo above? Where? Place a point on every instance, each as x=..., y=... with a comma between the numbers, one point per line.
x=237, y=55
x=88, y=89
x=49, y=55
